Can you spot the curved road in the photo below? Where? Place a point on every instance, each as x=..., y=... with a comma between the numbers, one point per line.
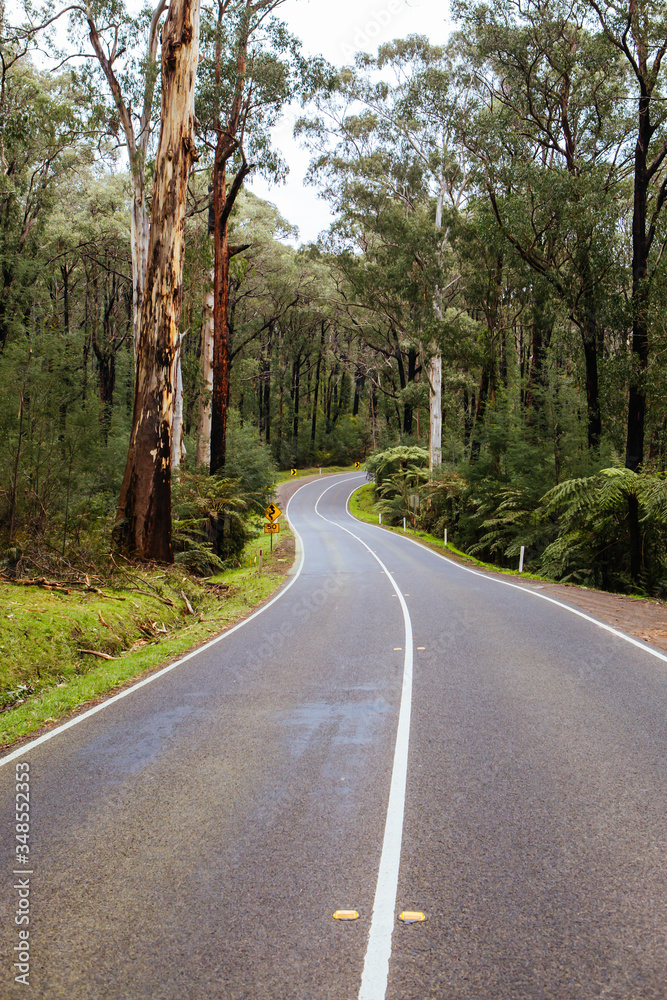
x=193, y=838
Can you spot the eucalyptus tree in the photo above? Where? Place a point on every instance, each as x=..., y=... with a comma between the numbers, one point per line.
x=549, y=134
x=143, y=524
x=637, y=33
x=125, y=50
x=248, y=74
x=390, y=123
x=46, y=120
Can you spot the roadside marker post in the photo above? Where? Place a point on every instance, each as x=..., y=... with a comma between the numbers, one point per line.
x=260, y=561
x=445, y=537
x=523, y=549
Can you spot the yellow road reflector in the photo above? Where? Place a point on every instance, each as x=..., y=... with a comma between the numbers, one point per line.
x=346, y=915
x=411, y=917
x=398, y=649
x=421, y=647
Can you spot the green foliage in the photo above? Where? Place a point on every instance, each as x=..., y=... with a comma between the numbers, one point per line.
x=593, y=541
x=344, y=443
x=249, y=463
x=209, y=526
x=398, y=473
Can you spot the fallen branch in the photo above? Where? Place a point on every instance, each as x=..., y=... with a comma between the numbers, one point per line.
x=93, y=652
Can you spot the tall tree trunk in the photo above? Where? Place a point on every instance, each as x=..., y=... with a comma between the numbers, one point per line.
x=177, y=448
x=228, y=143
x=137, y=147
x=435, y=407
x=221, y=359
x=641, y=246
x=143, y=525
x=406, y=380
x=296, y=386
x=594, y=417
x=316, y=392
x=203, y=451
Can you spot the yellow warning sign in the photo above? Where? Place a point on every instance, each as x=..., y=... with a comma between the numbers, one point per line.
x=271, y=529
x=411, y=917
x=346, y=915
x=272, y=512
x=292, y=472
x=357, y=465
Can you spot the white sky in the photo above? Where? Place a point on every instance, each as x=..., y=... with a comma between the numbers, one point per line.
x=338, y=29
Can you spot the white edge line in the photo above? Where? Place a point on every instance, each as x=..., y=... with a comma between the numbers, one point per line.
x=375, y=973
x=515, y=586
x=27, y=747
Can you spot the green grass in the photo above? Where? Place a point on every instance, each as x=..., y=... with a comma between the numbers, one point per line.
x=362, y=505
x=141, y=619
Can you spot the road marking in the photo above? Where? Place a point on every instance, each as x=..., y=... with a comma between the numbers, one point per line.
x=517, y=586
x=27, y=747
x=378, y=952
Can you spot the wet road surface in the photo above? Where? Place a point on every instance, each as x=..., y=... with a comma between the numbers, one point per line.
x=195, y=838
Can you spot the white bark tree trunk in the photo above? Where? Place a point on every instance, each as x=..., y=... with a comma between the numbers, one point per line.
x=140, y=232
x=203, y=453
x=435, y=366
x=177, y=448
x=137, y=148
x=435, y=427
x=143, y=526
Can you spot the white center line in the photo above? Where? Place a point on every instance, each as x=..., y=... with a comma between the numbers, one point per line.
x=378, y=952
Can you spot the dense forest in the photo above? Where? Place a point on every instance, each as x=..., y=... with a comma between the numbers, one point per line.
x=484, y=324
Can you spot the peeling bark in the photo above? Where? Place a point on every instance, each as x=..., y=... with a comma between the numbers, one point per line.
x=143, y=526
x=137, y=147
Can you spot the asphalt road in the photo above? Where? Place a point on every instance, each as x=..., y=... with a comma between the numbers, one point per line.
x=193, y=839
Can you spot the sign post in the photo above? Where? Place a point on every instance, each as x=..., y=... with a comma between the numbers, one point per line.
x=272, y=513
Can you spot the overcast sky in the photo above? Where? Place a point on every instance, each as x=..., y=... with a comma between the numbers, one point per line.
x=337, y=29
